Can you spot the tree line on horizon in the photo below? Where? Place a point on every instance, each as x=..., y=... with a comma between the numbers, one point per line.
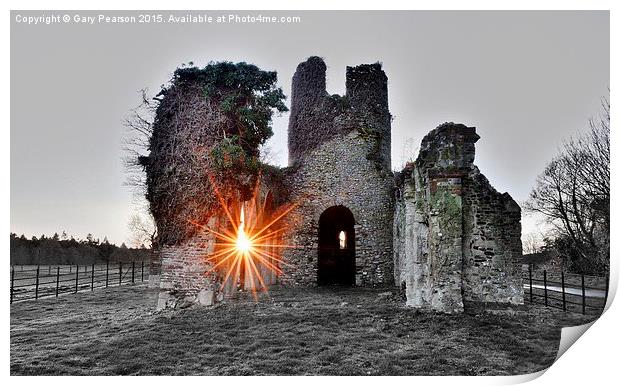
x=67, y=250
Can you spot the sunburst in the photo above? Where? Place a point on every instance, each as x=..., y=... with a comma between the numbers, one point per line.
x=250, y=248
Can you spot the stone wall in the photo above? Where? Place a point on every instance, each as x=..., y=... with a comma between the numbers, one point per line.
x=339, y=150
x=492, y=255
x=456, y=239
x=193, y=272
x=186, y=276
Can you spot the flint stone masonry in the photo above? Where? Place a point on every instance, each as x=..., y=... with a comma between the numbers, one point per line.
x=327, y=179
x=437, y=230
x=456, y=239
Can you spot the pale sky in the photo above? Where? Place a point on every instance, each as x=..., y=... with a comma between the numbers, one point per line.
x=526, y=80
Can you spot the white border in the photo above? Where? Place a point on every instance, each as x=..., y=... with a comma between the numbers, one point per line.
x=592, y=360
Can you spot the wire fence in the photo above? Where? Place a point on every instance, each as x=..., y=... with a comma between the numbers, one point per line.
x=34, y=282
x=567, y=292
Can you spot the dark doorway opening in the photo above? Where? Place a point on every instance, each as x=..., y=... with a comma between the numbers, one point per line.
x=336, y=264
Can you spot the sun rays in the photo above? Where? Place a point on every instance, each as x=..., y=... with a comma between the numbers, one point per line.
x=248, y=251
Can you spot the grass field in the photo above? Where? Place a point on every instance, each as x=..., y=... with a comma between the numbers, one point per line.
x=325, y=331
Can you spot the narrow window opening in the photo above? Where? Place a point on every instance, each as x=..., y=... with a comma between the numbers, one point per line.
x=342, y=236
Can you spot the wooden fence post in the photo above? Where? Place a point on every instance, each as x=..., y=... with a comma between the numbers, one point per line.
x=92, y=278
x=120, y=273
x=545, y=283
x=583, y=295
x=531, y=296
x=563, y=294
x=57, y=279
x=36, y=286
x=133, y=270
x=77, y=270
x=107, y=271
x=12, y=282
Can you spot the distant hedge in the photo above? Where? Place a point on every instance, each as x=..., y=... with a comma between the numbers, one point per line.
x=54, y=250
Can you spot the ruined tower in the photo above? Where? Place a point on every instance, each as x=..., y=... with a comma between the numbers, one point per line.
x=340, y=176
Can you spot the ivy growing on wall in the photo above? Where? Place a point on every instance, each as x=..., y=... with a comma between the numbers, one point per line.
x=209, y=125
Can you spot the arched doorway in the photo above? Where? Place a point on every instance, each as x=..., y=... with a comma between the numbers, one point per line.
x=336, y=264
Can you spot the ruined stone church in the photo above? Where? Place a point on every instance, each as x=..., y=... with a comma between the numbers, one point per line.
x=437, y=230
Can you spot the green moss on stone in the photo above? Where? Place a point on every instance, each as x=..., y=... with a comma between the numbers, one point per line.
x=450, y=212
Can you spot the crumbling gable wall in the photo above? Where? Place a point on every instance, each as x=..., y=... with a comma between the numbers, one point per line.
x=456, y=239
x=339, y=154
